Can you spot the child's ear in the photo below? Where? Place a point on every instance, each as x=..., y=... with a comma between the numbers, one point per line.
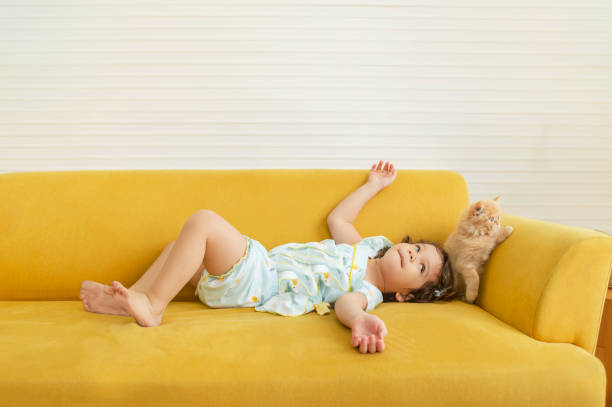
x=403, y=298
x=497, y=198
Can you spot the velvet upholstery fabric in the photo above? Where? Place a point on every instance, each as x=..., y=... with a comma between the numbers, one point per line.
x=528, y=340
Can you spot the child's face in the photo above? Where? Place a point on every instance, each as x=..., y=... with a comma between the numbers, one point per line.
x=406, y=267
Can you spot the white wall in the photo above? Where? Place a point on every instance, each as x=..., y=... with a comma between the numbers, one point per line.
x=516, y=95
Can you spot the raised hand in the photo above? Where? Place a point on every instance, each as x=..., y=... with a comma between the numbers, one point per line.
x=383, y=176
x=368, y=332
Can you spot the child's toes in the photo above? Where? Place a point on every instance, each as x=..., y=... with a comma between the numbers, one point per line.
x=120, y=288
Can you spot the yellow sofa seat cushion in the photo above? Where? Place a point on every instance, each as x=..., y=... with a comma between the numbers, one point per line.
x=443, y=354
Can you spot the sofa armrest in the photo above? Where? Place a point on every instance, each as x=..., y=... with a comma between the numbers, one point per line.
x=549, y=281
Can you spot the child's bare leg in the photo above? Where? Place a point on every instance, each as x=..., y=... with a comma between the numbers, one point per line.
x=99, y=298
x=145, y=282
x=184, y=260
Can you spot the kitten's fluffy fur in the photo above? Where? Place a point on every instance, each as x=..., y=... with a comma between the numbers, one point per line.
x=469, y=246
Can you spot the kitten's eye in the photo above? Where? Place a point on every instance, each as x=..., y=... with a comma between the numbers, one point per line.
x=422, y=268
x=491, y=218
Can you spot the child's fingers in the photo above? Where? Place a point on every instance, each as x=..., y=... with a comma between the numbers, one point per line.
x=372, y=344
x=357, y=341
x=385, y=166
x=381, y=331
x=363, y=347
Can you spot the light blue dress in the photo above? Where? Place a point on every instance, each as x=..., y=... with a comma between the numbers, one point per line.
x=293, y=278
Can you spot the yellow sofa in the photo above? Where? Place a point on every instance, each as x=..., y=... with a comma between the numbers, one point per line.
x=528, y=340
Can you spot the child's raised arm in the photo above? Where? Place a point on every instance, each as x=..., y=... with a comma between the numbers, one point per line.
x=368, y=330
x=380, y=177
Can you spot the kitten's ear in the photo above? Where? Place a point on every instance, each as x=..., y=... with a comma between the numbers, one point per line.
x=497, y=198
x=478, y=209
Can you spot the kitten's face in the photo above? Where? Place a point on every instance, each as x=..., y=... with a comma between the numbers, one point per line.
x=485, y=214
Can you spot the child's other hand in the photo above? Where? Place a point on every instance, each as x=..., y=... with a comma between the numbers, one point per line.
x=382, y=176
x=368, y=332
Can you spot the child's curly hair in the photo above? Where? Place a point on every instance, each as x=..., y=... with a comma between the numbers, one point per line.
x=427, y=292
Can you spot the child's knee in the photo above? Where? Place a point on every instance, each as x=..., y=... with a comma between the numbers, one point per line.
x=203, y=218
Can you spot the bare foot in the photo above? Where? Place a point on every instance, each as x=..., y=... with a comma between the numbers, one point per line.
x=98, y=298
x=137, y=304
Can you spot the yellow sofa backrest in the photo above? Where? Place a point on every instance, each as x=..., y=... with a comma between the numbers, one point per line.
x=59, y=228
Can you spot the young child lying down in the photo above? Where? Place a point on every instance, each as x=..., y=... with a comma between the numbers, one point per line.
x=229, y=269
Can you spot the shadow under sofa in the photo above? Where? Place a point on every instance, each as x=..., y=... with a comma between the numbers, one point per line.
x=528, y=340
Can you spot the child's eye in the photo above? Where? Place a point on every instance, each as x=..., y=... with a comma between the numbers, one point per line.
x=418, y=248
x=422, y=268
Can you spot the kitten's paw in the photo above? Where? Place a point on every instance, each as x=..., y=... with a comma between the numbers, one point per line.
x=508, y=230
x=470, y=296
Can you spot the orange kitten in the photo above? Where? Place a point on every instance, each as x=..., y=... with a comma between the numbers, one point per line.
x=469, y=246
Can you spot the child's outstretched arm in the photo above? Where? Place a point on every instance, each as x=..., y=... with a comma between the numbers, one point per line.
x=380, y=177
x=368, y=331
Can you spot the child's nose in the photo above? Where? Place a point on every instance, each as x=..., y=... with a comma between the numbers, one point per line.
x=411, y=254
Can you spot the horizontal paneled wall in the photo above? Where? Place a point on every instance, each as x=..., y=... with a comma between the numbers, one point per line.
x=516, y=96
